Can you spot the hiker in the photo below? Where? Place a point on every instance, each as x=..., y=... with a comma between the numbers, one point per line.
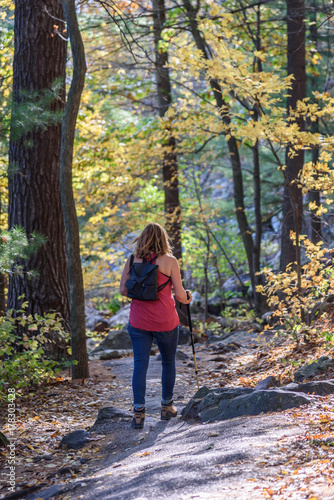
x=155, y=319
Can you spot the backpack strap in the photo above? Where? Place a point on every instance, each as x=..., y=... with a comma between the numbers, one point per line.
x=150, y=261
x=131, y=260
x=161, y=287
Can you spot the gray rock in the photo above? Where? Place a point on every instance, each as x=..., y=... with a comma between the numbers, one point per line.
x=110, y=413
x=255, y=403
x=226, y=403
x=182, y=356
x=267, y=383
x=112, y=354
x=97, y=323
x=111, y=420
x=51, y=492
x=184, y=336
x=311, y=369
x=236, y=302
x=233, y=284
x=116, y=339
x=75, y=440
x=121, y=317
x=320, y=388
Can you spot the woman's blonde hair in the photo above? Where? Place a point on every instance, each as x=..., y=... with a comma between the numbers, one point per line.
x=153, y=238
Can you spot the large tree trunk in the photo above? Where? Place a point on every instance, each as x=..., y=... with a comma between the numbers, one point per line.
x=314, y=195
x=292, y=196
x=77, y=297
x=170, y=163
x=34, y=195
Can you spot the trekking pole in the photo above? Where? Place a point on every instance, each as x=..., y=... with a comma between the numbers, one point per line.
x=192, y=340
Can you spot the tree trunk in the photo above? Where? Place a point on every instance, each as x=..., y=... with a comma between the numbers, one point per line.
x=77, y=297
x=292, y=196
x=259, y=299
x=243, y=225
x=34, y=195
x=314, y=195
x=170, y=163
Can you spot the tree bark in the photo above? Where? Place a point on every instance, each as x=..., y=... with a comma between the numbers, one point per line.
x=34, y=195
x=314, y=195
x=77, y=298
x=170, y=163
x=292, y=196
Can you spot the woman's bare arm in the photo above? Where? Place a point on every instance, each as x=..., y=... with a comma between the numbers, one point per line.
x=125, y=275
x=180, y=292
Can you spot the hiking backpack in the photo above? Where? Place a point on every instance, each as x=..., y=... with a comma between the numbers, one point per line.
x=143, y=281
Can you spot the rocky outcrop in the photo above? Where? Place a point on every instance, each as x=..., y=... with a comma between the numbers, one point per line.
x=209, y=405
x=121, y=317
x=116, y=339
x=75, y=440
x=314, y=368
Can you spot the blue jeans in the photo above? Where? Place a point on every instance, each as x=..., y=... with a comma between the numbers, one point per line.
x=141, y=344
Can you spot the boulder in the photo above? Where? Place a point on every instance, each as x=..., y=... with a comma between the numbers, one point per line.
x=95, y=322
x=233, y=284
x=111, y=354
x=108, y=418
x=75, y=440
x=319, y=388
x=227, y=403
x=311, y=369
x=267, y=383
x=3, y=440
x=184, y=336
x=121, y=317
x=116, y=339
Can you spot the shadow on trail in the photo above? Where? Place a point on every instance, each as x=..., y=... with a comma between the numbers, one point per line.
x=186, y=459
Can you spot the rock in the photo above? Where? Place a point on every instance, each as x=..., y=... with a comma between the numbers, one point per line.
x=112, y=354
x=75, y=440
x=233, y=284
x=51, y=492
x=227, y=403
x=311, y=369
x=196, y=303
x=181, y=355
x=109, y=413
x=319, y=388
x=267, y=383
x=121, y=317
x=72, y=469
x=223, y=348
x=116, y=339
x=269, y=318
x=107, y=418
x=236, y=302
x=97, y=323
x=184, y=336
x=46, y=456
x=3, y=440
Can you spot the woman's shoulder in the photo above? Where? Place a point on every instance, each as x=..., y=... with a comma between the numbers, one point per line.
x=167, y=258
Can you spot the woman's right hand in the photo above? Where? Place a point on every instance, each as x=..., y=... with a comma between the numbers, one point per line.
x=189, y=297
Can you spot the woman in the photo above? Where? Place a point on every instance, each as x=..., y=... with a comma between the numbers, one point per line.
x=155, y=319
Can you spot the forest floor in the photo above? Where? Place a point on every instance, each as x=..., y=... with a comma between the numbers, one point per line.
x=288, y=454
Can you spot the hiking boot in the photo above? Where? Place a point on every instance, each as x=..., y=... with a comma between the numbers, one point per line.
x=168, y=411
x=138, y=418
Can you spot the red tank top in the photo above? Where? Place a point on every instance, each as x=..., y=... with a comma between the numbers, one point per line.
x=155, y=315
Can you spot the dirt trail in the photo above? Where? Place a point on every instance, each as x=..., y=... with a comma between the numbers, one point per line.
x=237, y=459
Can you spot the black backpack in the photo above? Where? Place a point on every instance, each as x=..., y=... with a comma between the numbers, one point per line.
x=143, y=281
